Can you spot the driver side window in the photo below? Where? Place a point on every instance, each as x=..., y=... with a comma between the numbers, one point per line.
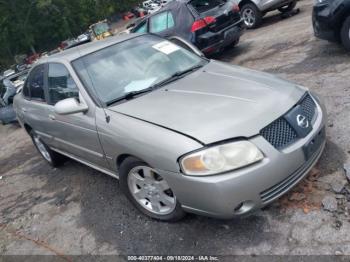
x=60, y=84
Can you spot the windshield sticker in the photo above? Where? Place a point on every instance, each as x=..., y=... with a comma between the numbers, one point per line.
x=166, y=47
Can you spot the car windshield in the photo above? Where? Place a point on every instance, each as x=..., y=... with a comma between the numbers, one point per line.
x=132, y=66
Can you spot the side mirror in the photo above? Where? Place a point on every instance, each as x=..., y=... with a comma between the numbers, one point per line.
x=184, y=44
x=70, y=106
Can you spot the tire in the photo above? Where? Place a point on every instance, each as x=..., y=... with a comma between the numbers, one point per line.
x=345, y=34
x=251, y=15
x=146, y=193
x=235, y=43
x=53, y=158
x=288, y=8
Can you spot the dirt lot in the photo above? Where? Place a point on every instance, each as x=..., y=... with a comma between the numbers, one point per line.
x=76, y=210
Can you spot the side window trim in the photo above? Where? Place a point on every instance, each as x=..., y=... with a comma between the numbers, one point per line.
x=24, y=85
x=27, y=82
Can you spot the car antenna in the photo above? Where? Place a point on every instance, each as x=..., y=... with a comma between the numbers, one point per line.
x=107, y=117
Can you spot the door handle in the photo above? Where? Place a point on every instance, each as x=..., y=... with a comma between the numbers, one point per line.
x=52, y=117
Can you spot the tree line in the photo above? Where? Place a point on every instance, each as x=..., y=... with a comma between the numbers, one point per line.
x=28, y=26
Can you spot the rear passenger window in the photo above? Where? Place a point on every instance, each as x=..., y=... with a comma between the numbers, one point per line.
x=60, y=83
x=161, y=22
x=36, y=83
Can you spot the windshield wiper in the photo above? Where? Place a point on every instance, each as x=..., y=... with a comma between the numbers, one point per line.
x=129, y=95
x=184, y=72
x=168, y=80
x=176, y=76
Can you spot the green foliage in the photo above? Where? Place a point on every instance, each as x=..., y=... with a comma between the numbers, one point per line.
x=29, y=25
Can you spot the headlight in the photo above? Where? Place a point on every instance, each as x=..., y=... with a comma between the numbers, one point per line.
x=221, y=158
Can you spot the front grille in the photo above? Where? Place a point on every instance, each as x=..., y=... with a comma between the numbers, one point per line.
x=280, y=133
x=309, y=107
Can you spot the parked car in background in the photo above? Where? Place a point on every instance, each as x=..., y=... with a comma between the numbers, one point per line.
x=100, y=30
x=22, y=67
x=8, y=89
x=253, y=10
x=209, y=25
x=84, y=38
x=32, y=58
x=139, y=12
x=331, y=21
x=8, y=73
x=182, y=133
x=128, y=15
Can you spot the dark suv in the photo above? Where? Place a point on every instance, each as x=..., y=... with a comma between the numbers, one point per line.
x=331, y=21
x=209, y=25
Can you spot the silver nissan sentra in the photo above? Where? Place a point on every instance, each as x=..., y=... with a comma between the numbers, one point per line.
x=181, y=132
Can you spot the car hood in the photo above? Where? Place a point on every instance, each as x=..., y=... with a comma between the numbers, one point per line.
x=216, y=103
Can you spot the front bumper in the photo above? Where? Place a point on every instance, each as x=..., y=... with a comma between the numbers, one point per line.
x=212, y=42
x=247, y=189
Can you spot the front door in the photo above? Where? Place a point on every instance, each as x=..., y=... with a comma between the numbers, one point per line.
x=75, y=134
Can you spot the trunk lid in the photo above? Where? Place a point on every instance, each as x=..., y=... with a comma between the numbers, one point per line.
x=223, y=12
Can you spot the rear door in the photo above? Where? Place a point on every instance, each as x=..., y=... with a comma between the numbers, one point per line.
x=34, y=108
x=225, y=12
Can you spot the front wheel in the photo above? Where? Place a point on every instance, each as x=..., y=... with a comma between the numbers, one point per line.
x=148, y=191
x=288, y=8
x=251, y=15
x=345, y=34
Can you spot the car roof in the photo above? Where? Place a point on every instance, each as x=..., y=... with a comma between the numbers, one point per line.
x=82, y=50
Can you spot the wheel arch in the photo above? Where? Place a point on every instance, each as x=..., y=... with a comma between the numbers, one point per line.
x=121, y=158
x=244, y=2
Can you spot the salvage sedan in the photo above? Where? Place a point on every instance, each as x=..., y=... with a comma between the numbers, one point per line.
x=181, y=132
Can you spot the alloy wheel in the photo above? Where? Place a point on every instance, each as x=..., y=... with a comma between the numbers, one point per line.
x=248, y=17
x=151, y=191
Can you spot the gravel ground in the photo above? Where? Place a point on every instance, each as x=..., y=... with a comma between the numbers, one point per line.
x=76, y=210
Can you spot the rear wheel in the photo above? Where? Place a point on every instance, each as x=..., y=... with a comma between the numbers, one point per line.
x=53, y=158
x=288, y=8
x=345, y=34
x=148, y=191
x=251, y=15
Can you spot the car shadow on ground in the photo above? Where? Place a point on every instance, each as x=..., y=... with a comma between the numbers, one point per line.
x=275, y=17
x=230, y=52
